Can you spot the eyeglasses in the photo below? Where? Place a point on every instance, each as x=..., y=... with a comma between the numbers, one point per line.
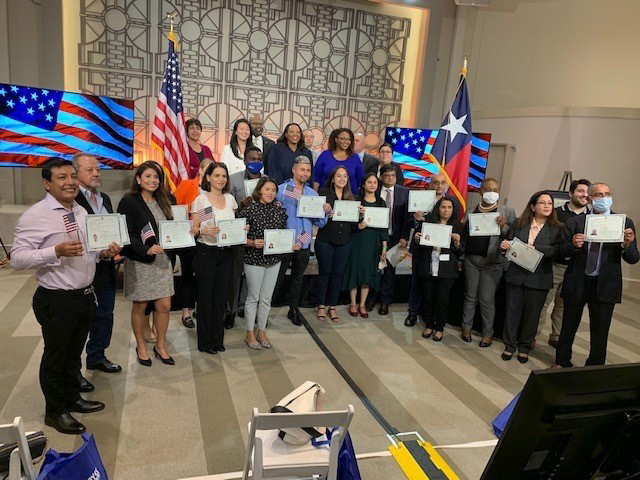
x=602, y=195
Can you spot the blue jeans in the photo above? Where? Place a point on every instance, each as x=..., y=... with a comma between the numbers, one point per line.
x=332, y=261
x=101, y=325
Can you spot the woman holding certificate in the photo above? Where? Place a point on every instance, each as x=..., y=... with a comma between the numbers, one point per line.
x=148, y=274
x=368, y=248
x=439, y=245
x=333, y=243
x=340, y=153
x=213, y=263
x=531, y=246
x=261, y=270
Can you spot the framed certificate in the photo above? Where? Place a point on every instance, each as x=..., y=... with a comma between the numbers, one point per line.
x=421, y=200
x=250, y=186
x=484, y=224
x=311, y=206
x=102, y=230
x=605, y=228
x=175, y=234
x=522, y=254
x=232, y=232
x=376, y=217
x=436, y=235
x=278, y=241
x=179, y=212
x=124, y=231
x=346, y=211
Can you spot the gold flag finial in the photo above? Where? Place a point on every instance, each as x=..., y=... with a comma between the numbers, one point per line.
x=172, y=35
x=464, y=65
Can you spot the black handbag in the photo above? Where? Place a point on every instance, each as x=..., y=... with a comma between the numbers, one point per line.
x=37, y=444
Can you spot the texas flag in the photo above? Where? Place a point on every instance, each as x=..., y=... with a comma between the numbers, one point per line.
x=452, y=148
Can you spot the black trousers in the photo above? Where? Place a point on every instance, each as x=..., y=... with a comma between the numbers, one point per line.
x=521, y=320
x=212, y=266
x=298, y=260
x=435, y=295
x=599, y=322
x=237, y=293
x=332, y=261
x=187, y=297
x=65, y=321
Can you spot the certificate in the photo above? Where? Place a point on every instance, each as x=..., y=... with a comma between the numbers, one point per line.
x=124, y=231
x=232, y=232
x=605, y=228
x=250, y=186
x=102, y=230
x=522, y=254
x=421, y=200
x=311, y=206
x=179, y=212
x=483, y=224
x=175, y=234
x=278, y=241
x=376, y=217
x=436, y=235
x=346, y=211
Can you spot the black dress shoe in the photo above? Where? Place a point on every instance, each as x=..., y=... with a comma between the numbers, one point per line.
x=229, y=321
x=210, y=351
x=295, y=316
x=188, y=322
x=221, y=348
x=105, y=366
x=65, y=423
x=523, y=359
x=166, y=361
x=85, y=385
x=86, y=406
x=370, y=306
x=410, y=321
x=506, y=356
x=241, y=313
x=384, y=309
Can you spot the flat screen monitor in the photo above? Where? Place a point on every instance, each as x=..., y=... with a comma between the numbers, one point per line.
x=37, y=124
x=573, y=424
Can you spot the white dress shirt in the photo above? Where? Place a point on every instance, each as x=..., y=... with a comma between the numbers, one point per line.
x=258, y=142
x=98, y=208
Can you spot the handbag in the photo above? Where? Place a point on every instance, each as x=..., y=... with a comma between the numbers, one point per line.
x=500, y=422
x=83, y=464
x=304, y=399
x=37, y=443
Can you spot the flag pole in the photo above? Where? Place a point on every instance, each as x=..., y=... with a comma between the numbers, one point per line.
x=463, y=73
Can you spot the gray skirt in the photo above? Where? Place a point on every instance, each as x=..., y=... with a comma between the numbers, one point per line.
x=144, y=282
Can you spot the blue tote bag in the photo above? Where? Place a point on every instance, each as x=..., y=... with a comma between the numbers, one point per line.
x=83, y=464
x=500, y=422
x=347, y=462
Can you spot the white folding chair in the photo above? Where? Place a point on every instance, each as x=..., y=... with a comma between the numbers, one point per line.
x=269, y=457
x=20, y=456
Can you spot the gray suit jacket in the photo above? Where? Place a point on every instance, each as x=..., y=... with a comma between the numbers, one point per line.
x=493, y=252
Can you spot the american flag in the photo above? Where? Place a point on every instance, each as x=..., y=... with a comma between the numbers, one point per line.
x=304, y=237
x=205, y=214
x=70, y=224
x=293, y=192
x=168, y=132
x=37, y=124
x=147, y=233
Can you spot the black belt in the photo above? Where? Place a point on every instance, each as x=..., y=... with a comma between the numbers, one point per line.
x=80, y=292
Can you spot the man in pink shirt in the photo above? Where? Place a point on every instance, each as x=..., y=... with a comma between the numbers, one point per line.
x=50, y=237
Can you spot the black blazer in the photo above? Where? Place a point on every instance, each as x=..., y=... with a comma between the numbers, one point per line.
x=547, y=242
x=267, y=143
x=368, y=160
x=373, y=167
x=138, y=215
x=401, y=220
x=610, y=277
x=447, y=268
x=105, y=270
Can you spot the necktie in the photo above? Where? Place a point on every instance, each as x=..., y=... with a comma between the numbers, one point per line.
x=389, y=206
x=592, y=258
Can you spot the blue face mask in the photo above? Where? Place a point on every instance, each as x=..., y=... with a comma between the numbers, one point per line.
x=254, y=167
x=602, y=204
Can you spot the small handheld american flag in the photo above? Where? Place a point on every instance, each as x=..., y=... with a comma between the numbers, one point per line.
x=147, y=233
x=205, y=214
x=70, y=224
x=304, y=237
x=293, y=192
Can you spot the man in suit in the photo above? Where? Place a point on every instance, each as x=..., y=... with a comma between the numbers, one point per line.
x=397, y=200
x=104, y=281
x=358, y=148
x=308, y=143
x=259, y=140
x=593, y=277
x=577, y=205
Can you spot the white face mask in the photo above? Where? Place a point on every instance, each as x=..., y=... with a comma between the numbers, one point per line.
x=490, y=198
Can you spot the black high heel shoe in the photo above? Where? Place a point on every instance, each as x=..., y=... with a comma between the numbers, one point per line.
x=506, y=356
x=147, y=362
x=166, y=361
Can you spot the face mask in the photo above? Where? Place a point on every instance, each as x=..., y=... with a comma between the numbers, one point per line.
x=490, y=198
x=602, y=204
x=254, y=167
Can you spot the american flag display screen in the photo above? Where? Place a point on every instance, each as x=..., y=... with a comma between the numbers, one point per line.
x=37, y=124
